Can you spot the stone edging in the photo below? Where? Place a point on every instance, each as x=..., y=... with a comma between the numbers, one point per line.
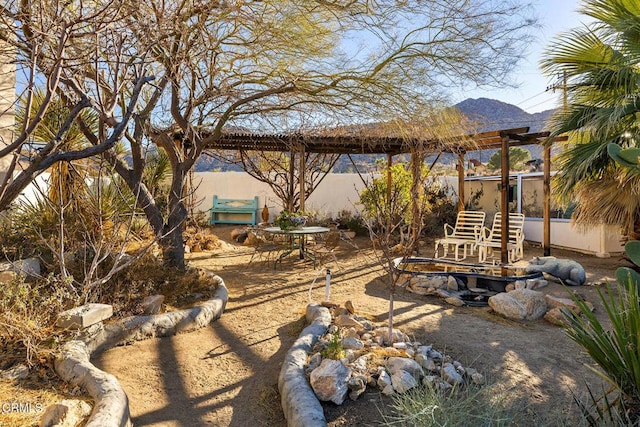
x=300, y=405
x=111, y=402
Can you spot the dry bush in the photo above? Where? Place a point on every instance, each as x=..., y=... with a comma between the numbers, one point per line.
x=27, y=318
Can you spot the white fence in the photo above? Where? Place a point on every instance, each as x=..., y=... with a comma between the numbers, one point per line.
x=335, y=193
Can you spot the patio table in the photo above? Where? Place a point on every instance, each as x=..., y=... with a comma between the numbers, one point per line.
x=297, y=239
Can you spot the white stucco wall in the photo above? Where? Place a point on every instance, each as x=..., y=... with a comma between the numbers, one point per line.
x=602, y=240
x=336, y=192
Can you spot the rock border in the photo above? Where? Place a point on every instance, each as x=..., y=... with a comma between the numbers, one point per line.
x=111, y=402
x=111, y=406
x=299, y=403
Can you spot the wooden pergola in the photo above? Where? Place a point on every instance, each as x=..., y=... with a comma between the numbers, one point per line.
x=360, y=144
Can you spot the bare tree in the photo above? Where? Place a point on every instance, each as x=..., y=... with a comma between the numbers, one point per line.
x=60, y=47
x=281, y=171
x=246, y=64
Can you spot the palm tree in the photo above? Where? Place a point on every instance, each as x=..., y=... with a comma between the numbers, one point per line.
x=601, y=63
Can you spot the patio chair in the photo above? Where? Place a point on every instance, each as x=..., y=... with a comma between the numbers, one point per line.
x=325, y=247
x=492, y=238
x=465, y=233
x=265, y=246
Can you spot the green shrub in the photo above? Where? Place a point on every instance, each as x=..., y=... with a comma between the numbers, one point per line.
x=373, y=198
x=517, y=158
x=436, y=206
x=350, y=221
x=334, y=349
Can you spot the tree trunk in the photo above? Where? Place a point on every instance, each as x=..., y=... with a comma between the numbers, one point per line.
x=173, y=248
x=390, y=326
x=171, y=241
x=417, y=160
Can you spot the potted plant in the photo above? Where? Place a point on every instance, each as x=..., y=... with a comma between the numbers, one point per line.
x=290, y=220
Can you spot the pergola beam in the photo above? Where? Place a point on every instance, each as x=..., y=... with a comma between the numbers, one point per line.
x=370, y=145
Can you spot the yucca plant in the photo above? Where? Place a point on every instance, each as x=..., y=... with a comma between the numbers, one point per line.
x=615, y=350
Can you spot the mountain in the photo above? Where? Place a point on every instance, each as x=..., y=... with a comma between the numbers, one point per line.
x=494, y=114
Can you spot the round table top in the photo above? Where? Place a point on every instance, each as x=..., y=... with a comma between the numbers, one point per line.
x=301, y=230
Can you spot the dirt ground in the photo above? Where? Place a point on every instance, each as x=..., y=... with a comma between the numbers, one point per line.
x=226, y=374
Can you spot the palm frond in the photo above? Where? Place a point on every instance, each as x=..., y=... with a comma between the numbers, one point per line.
x=600, y=200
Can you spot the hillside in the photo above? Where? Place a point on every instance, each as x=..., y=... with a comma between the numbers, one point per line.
x=493, y=114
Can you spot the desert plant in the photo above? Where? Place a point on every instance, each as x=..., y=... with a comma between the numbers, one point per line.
x=469, y=406
x=27, y=314
x=334, y=349
x=373, y=197
x=616, y=351
x=442, y=209
x=394, y=220
x=346, y=220
x=473, y=204
x=599, y=62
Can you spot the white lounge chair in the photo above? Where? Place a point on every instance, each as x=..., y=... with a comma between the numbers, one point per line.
x=466, y=233
x=492, y=238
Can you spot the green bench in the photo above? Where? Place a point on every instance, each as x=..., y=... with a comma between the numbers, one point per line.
x=233, y=211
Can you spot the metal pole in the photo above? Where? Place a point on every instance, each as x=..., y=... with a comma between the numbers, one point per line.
x=327, y=285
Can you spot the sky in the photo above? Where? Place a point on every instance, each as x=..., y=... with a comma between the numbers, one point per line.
x=555, y=17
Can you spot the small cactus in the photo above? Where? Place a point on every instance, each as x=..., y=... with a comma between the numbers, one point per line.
x=626, y=275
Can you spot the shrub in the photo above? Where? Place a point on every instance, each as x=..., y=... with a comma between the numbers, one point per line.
x=470, y=406
x=334, y=349
x=517, y=157
x=349, y=221
x=374, y=196
x=27, y=314
x=443, y=209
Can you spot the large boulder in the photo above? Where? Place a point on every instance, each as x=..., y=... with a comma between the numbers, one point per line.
x=330, y=381
x=519, y=304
